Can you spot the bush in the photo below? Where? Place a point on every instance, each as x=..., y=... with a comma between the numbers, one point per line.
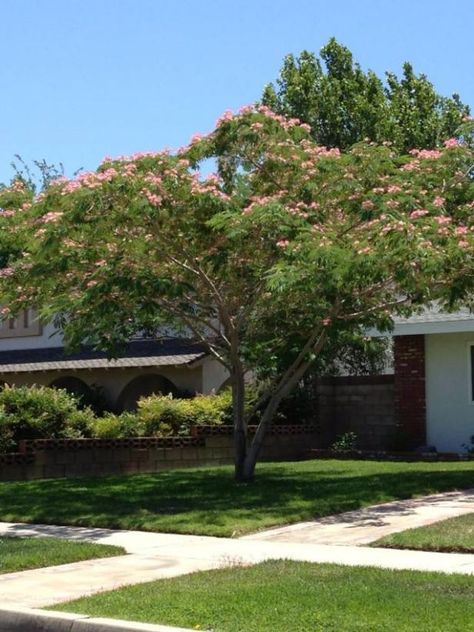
x=300, y=407
x=345, y=442
x=79, y=424
x=49, y=413
x=40, y=412
x=165, y=416
x=112, y=426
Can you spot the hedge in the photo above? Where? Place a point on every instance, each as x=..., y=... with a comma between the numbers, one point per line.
x=40, y=412
x=165, y=416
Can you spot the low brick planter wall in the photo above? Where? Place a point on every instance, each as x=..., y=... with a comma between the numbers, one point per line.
x=209, y=445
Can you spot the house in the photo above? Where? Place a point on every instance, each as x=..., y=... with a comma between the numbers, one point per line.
x=434, y=378
x=33, y=353
x=428, y=401
x=424, y=398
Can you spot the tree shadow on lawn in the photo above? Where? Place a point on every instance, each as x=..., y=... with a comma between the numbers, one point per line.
x=209, y=501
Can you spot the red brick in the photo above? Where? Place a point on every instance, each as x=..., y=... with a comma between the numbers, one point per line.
x=410, y=397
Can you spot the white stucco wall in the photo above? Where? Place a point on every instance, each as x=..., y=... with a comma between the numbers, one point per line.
x=213, y=375
x=449, y=406
x=49, y=337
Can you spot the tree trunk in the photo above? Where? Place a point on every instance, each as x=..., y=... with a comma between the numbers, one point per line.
x=240, y=426
x=257, y=443
x=282, y=390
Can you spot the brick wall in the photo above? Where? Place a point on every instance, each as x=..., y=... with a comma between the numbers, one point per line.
x=363, y=405
x=410, y=394
x=59, y=458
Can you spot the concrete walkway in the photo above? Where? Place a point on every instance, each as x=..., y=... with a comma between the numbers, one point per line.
x=159, y=555
x=370, y=524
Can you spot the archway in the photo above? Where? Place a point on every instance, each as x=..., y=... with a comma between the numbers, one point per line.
x=74, y=386
x=144, y=386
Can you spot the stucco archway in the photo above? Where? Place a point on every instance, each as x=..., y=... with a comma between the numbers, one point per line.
x=144, y=386
x=75, y=386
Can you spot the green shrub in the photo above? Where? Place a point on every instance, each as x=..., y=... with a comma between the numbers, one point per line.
x=80, y=424
x=161, y=416
x=39, y=412
x=345, y=442
x=207, y=409
x=112, y=426
x=165, y=416
x=300, y=406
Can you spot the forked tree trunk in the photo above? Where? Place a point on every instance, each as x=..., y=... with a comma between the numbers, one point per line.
x=257, y=443
x=240, y=427
x=246, y=455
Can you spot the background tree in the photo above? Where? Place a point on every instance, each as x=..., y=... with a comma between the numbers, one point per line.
x=285, y=252
x=27, y=181
x=36, y=176
x=14, y=197
x=344, y=105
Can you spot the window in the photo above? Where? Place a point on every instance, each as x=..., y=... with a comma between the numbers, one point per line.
x=25, y=324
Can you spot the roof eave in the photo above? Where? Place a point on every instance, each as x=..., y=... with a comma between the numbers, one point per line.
x=177, y=361
x=421, y=328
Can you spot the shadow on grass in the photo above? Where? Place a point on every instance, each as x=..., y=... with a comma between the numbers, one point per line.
x=208, y=501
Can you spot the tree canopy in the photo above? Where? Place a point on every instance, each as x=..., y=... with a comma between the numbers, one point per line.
x=344, y=105
x=27, y=181
x=288, y=247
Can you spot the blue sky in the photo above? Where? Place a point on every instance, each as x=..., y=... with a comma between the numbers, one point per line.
x=81, y=79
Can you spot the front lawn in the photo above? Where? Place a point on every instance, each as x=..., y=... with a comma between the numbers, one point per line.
x=455, y=535
x=284, y=596
x=208, y=501
x=19, y=554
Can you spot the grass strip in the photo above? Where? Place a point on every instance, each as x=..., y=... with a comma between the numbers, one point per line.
x=19, y=554
x=455, y=535
x=284, y=596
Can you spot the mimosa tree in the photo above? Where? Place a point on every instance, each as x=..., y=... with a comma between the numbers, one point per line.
x=286, y=247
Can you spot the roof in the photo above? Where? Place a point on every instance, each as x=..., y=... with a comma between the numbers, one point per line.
x=432, y=320
x=140, y=353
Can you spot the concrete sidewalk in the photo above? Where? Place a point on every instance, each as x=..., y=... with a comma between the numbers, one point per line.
x=173, y=555
x=160, y=555
x=370, y=524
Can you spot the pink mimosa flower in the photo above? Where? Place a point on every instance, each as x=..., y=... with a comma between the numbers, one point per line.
x=451, y=142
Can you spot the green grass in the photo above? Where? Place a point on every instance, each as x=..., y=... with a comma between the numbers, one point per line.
x=455, y=535
x=283, y=596
x=208, y=501
x=20, y=554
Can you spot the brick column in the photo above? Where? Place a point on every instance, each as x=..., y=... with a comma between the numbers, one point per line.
x=410, y=398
